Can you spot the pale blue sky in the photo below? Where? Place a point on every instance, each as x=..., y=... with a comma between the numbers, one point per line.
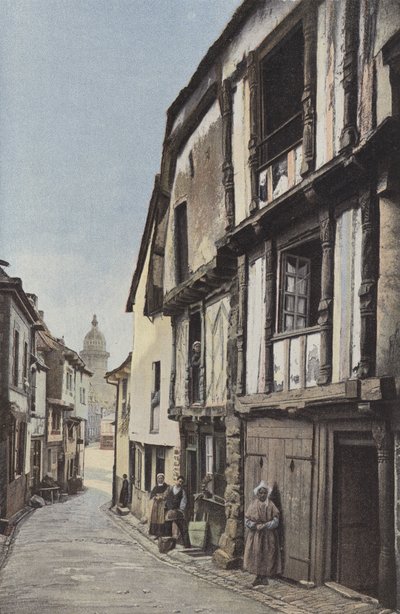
x=84, y=88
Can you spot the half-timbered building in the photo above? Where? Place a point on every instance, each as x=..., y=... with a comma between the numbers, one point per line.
x=281, y=277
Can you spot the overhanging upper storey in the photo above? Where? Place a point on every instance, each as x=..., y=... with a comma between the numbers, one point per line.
x=207, y=279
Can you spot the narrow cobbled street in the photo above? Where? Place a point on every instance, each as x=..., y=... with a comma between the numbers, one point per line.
x=71, y=558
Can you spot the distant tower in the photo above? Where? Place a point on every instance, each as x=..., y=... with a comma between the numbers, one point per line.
x=95, y=356
x=94, y=351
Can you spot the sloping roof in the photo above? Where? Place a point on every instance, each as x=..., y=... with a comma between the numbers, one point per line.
x=122, y=366
x=144, y=245
x=46, y=341
x=14, y=284
x=236, y=22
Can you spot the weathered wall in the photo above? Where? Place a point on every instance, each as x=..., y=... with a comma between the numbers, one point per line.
x=152, y=343
x=16, y=495
x=202, y=190
x=5, y=348
x=18, y=395
x=240, y=152
x=55, y=377
x=256, y=29
x=182, y=346
x=82, y=381
x=216, y=337
x=346, y=303
x=330, y=98
x=388, y=307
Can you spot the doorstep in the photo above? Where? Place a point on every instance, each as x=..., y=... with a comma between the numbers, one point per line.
x=350, y=593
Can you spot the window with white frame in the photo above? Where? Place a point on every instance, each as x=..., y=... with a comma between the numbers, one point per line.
x=300, y=287
x=209, y=455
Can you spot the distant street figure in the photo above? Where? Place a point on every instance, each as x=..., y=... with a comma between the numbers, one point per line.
x=157, y=517
x=124, y=494
x=176, y=501
x=262, y=553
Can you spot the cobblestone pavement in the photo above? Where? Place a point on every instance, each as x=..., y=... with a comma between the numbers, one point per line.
x=80, y=557
x=72, y=558
x=280, y=596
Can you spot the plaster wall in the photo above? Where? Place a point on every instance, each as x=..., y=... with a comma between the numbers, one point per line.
x=18, y=395
x=82, y=381
x=346, y=304
x=55, y=375
x=152, y=343
x=122, y=437
x=5, y=365
x=388, y=309
x=202, y=190
x=240, y=151
x=40, y=396
x=216, y=342
x=388, y=18
x=263, y=21
x=330, y=95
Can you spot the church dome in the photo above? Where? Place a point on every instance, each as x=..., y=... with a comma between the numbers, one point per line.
x=94, y=340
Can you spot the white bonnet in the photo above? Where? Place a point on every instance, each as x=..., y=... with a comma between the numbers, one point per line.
x=262, y=484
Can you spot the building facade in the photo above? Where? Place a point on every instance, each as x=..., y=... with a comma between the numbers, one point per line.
x=154, y=439
x=279, y=271
x=19, y=322
x=67, y=386
x=39, y=373
x=120, y=378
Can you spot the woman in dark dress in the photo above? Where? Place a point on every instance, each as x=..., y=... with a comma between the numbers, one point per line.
x=124, y=494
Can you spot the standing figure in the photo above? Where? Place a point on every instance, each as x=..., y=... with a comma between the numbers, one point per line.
x=157, y=517
x=124, y=494
x=261, y=553
x=175, y=504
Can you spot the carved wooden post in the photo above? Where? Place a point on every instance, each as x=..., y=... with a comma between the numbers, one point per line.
x=349, y=136
x=367, y=292
x=173, y=365
x=326, y=300
x=308, y=98
x=188, y=382
x=227, y=167
x=252, y=73
x=270, y=298
x=202, y=374
x=387, y=567
x=242, y=311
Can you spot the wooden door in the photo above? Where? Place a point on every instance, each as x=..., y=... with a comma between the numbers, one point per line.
x=280, y=452
x=356, y=518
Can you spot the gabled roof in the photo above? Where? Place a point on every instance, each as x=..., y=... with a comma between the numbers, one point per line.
x=14, y=285
x=144, y=245
x=46, y=342
x=124, y=365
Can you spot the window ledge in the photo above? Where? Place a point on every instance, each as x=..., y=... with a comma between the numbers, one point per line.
x=296, y=333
